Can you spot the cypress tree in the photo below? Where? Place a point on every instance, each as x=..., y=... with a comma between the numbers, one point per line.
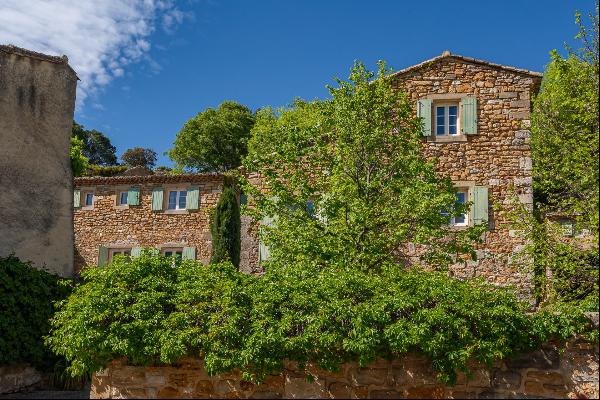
x=225, y=228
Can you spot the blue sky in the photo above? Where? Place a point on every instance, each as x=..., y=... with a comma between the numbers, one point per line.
x=263, y=53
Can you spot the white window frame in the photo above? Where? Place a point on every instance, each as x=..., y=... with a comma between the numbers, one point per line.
x=466, y=215
x=84, y=196
x=177, y=199
x=173, y=250
x=446, y=105
x=118, y=250
x=118, y=199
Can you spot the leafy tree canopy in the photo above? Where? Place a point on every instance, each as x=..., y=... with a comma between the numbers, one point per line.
x=215, y=140
x=96, y=146
x=356, y=160
x=139, y=157
x=79, y=162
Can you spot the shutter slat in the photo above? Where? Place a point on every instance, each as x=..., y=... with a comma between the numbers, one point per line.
x=469, y=115
x=480, y=205
x=102, y=256
x=424, y=112
x=157, y=199
x=133, y=196
x=193, y=198
x=76, y=198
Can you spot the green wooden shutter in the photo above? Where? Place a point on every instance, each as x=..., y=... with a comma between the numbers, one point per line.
x=193, y=198
x=133, y=196
x=102, y=256
x=136, y=251
x=468, y=118
x=157, y=199
x=188, y=253
x=480, y=205
x=424, y=112
x=76, y=198
x=264, y=251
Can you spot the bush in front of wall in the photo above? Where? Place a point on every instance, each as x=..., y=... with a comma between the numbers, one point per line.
x=27, y=295
x=225, y=228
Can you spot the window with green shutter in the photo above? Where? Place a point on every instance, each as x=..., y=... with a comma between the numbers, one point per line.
x=189, y=253
x=157, y=199
x=193, y=198
x=102, y=256
x=76, y=198
x=133, y=196
x=424, y=112
x=136, y=251
x=468, y=119
x=264, y=250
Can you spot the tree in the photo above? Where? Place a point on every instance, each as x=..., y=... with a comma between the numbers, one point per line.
x=225, y=229
x=214, y=140
x=347, y=182
x=96, y=146
x=139, y=157
x=79, y=162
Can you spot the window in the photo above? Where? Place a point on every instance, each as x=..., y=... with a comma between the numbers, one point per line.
x=122, y=200
x=177, y=200
x=124, y=252
x=446, y=119
x=462, y=196
x=88, y=199
x=170, y=252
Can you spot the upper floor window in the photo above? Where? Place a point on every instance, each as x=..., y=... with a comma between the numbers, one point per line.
x=124, y=252
x=177, y=200
x=446, y=119
x=88, y=200
x=175, y=251
x=122, y=200
x=462, y=196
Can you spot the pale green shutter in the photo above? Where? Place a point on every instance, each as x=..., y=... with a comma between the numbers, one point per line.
x=424, y=112
x=264, y=252
x=76, y=198
x=133, y=196
x=102, y=256
x=480, y=205
x=468, y=118
x=157, y=199
x=193, y=198
x=136, y=252
x=188, y=253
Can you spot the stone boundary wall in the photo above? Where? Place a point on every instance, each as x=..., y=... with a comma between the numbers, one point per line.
x=19, y=378
x=547, y=373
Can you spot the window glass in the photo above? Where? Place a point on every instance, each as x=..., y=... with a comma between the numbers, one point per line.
x=452, y=119
x=440, y=120
x=172, y=201
x=461, y=198
x=123, y=198
x=182, y=199
x=89, y=199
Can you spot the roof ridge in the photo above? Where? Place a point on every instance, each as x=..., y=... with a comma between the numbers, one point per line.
x=448, y=54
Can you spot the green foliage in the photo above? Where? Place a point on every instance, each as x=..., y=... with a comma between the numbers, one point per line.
x=151, y=311
x=26, y=305
x=79, y=162
x=96, y=146
x=357, y=158
x=139, y=157
x=214, y=140
x=225, y=229
x=101, y=170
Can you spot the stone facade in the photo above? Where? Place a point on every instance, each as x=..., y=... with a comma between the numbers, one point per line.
x=497, y=157
x=37, y=100
x=543, y=374
x=118, y=227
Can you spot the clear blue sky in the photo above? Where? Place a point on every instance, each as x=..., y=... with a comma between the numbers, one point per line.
x=263, y=53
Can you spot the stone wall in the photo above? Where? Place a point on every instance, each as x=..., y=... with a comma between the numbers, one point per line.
x=37, y=100
x=17, y=378
x=107, y=224
x=541, y=374
x=498, y=156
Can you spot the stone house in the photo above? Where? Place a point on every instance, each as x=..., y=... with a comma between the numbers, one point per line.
x=37, y=100
x=123, y=214
x=476, y=117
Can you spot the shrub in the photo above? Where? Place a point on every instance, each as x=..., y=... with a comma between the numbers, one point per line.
x=27, y=295
x=152, y=311
x=101, y=170
x=225, y=229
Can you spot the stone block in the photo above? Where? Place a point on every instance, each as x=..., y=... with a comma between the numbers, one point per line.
x=425, y=392
x=169, y=392
x=340, y=390
x=541, y=359
x=303, y=389
x=369, y=376
x=385, y=394
x=508, y=95
x=506, y=380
